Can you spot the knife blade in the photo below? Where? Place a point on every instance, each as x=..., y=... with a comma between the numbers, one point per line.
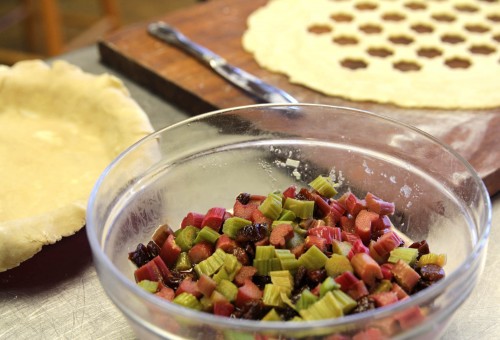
x=261, y=90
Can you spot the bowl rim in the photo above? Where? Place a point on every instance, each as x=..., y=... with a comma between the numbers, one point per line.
x=288, y=326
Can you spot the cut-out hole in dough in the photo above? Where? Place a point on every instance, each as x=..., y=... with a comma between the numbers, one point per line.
x=366, y=6
x=341, y=17
x=422, y=28
x=468, y=8
x=477, y=28
x=416, y=6
x=381, y=52
x=345, y=40
x=407, y=66
x=482, y=49
x=457, y=62
x=401, y=40
x=393, y=16
x=370, y=28
x=429, y=52
x=319, y=29
x=353, y=64
x=443, y=17
x=452, y=39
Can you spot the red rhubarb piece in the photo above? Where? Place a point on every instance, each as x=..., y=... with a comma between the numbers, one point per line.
x=357, y=247
x=193, y=219
x=258, y=217
x=369, y=334
x=378, y=205
x=245, y=273
x=381, y=249
x=327, y=233
x=400, y=293
x=349, y=237
x=346, y=280
x=206, y=285
x=384, y=298
x=357, y=290
x=410, y=317
x=322, y=205
x=405, y=275
x=223, y=308
x=386, y=269
x=347, y=224
x=225, y=243
x=149, y=271
x=290, y=191
x=248, y=292
x=165, y=292
x=162, y=268
x=280, y=234
x=200, y=252
x=366, y=268
x=317, y=241
x=298, y=250
x=214, y=218
x=244, y=210
x=354, y=205
x=170, y=251
x=363, y=225
x=188, y=286
x=337, y=209
x=161, y=234
x=381, y=224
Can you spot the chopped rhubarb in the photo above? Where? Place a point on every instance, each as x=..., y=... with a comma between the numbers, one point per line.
x=357, y=290
x=317, y=241
x=245, y=273
x=357, y=247
x=349, y=237
x=410, y=317
x=161, y=233
x=369, y=334
x=162, y=268
x=378, y=205
x=248, y=292
x=223, y=308
x=363, y=225
x=166, y=293
x=149, y=271
x=337, y=209
x=354, y=205
x=366, y=268
x=200, y=252
x=382, y=247
x=405, y=275
x=214, y=218
x=327, y=233
x=387, y=270
x=170, y=251
x=381, y=224
x=400, y=293
x=188, y=286
x=244, y=210
x=384, y=298
x=347, y=224
x=322, y=205
x=206, y=285
x=194, y=219
x=225, y=243
x=258, y=217
x=346, y=280
x=280, y=234
x=290, y=191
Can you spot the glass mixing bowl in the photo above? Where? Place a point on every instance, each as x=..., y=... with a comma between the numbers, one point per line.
x=208, y=160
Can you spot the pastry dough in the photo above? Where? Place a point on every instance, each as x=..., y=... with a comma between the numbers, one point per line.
x=59, y=128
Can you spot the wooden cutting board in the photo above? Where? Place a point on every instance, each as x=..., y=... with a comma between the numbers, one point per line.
x=219, y=25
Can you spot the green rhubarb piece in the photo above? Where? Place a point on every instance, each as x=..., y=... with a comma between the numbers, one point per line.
x=264, y=252
x=272, y=295
x=287, y=260
x=341, y=248
x=302, y=209
x=271, y=206
x=337, y=264
x=228, y=289
x=383, y=286
x=265, y=266
x=295, y=241
x=183, y=262
x=277, y=223
x=234, y=335
x=232, y=225
x=346, y=302
x=313, y=258
x=324, y=186
x=327, y=285
x=149, y=286
x=232, y=266
x=432, y=258
x=221, y=275
x=207, y=234
x=282, y=278
x=206, y=303
x=286, y=300
x=408, y=255
x=305, y=300
x=272, y=315
x=326, y=308
x=185, y=239
x=211, y=265
x=177, y=232
x=296, y=318
x=188, y=300
x=287, y=215
x=297, y=229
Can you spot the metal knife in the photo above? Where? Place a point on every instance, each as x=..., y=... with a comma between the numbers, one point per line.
x=240, y=78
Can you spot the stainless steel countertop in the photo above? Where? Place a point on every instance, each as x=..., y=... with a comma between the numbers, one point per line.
x=50, y=297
